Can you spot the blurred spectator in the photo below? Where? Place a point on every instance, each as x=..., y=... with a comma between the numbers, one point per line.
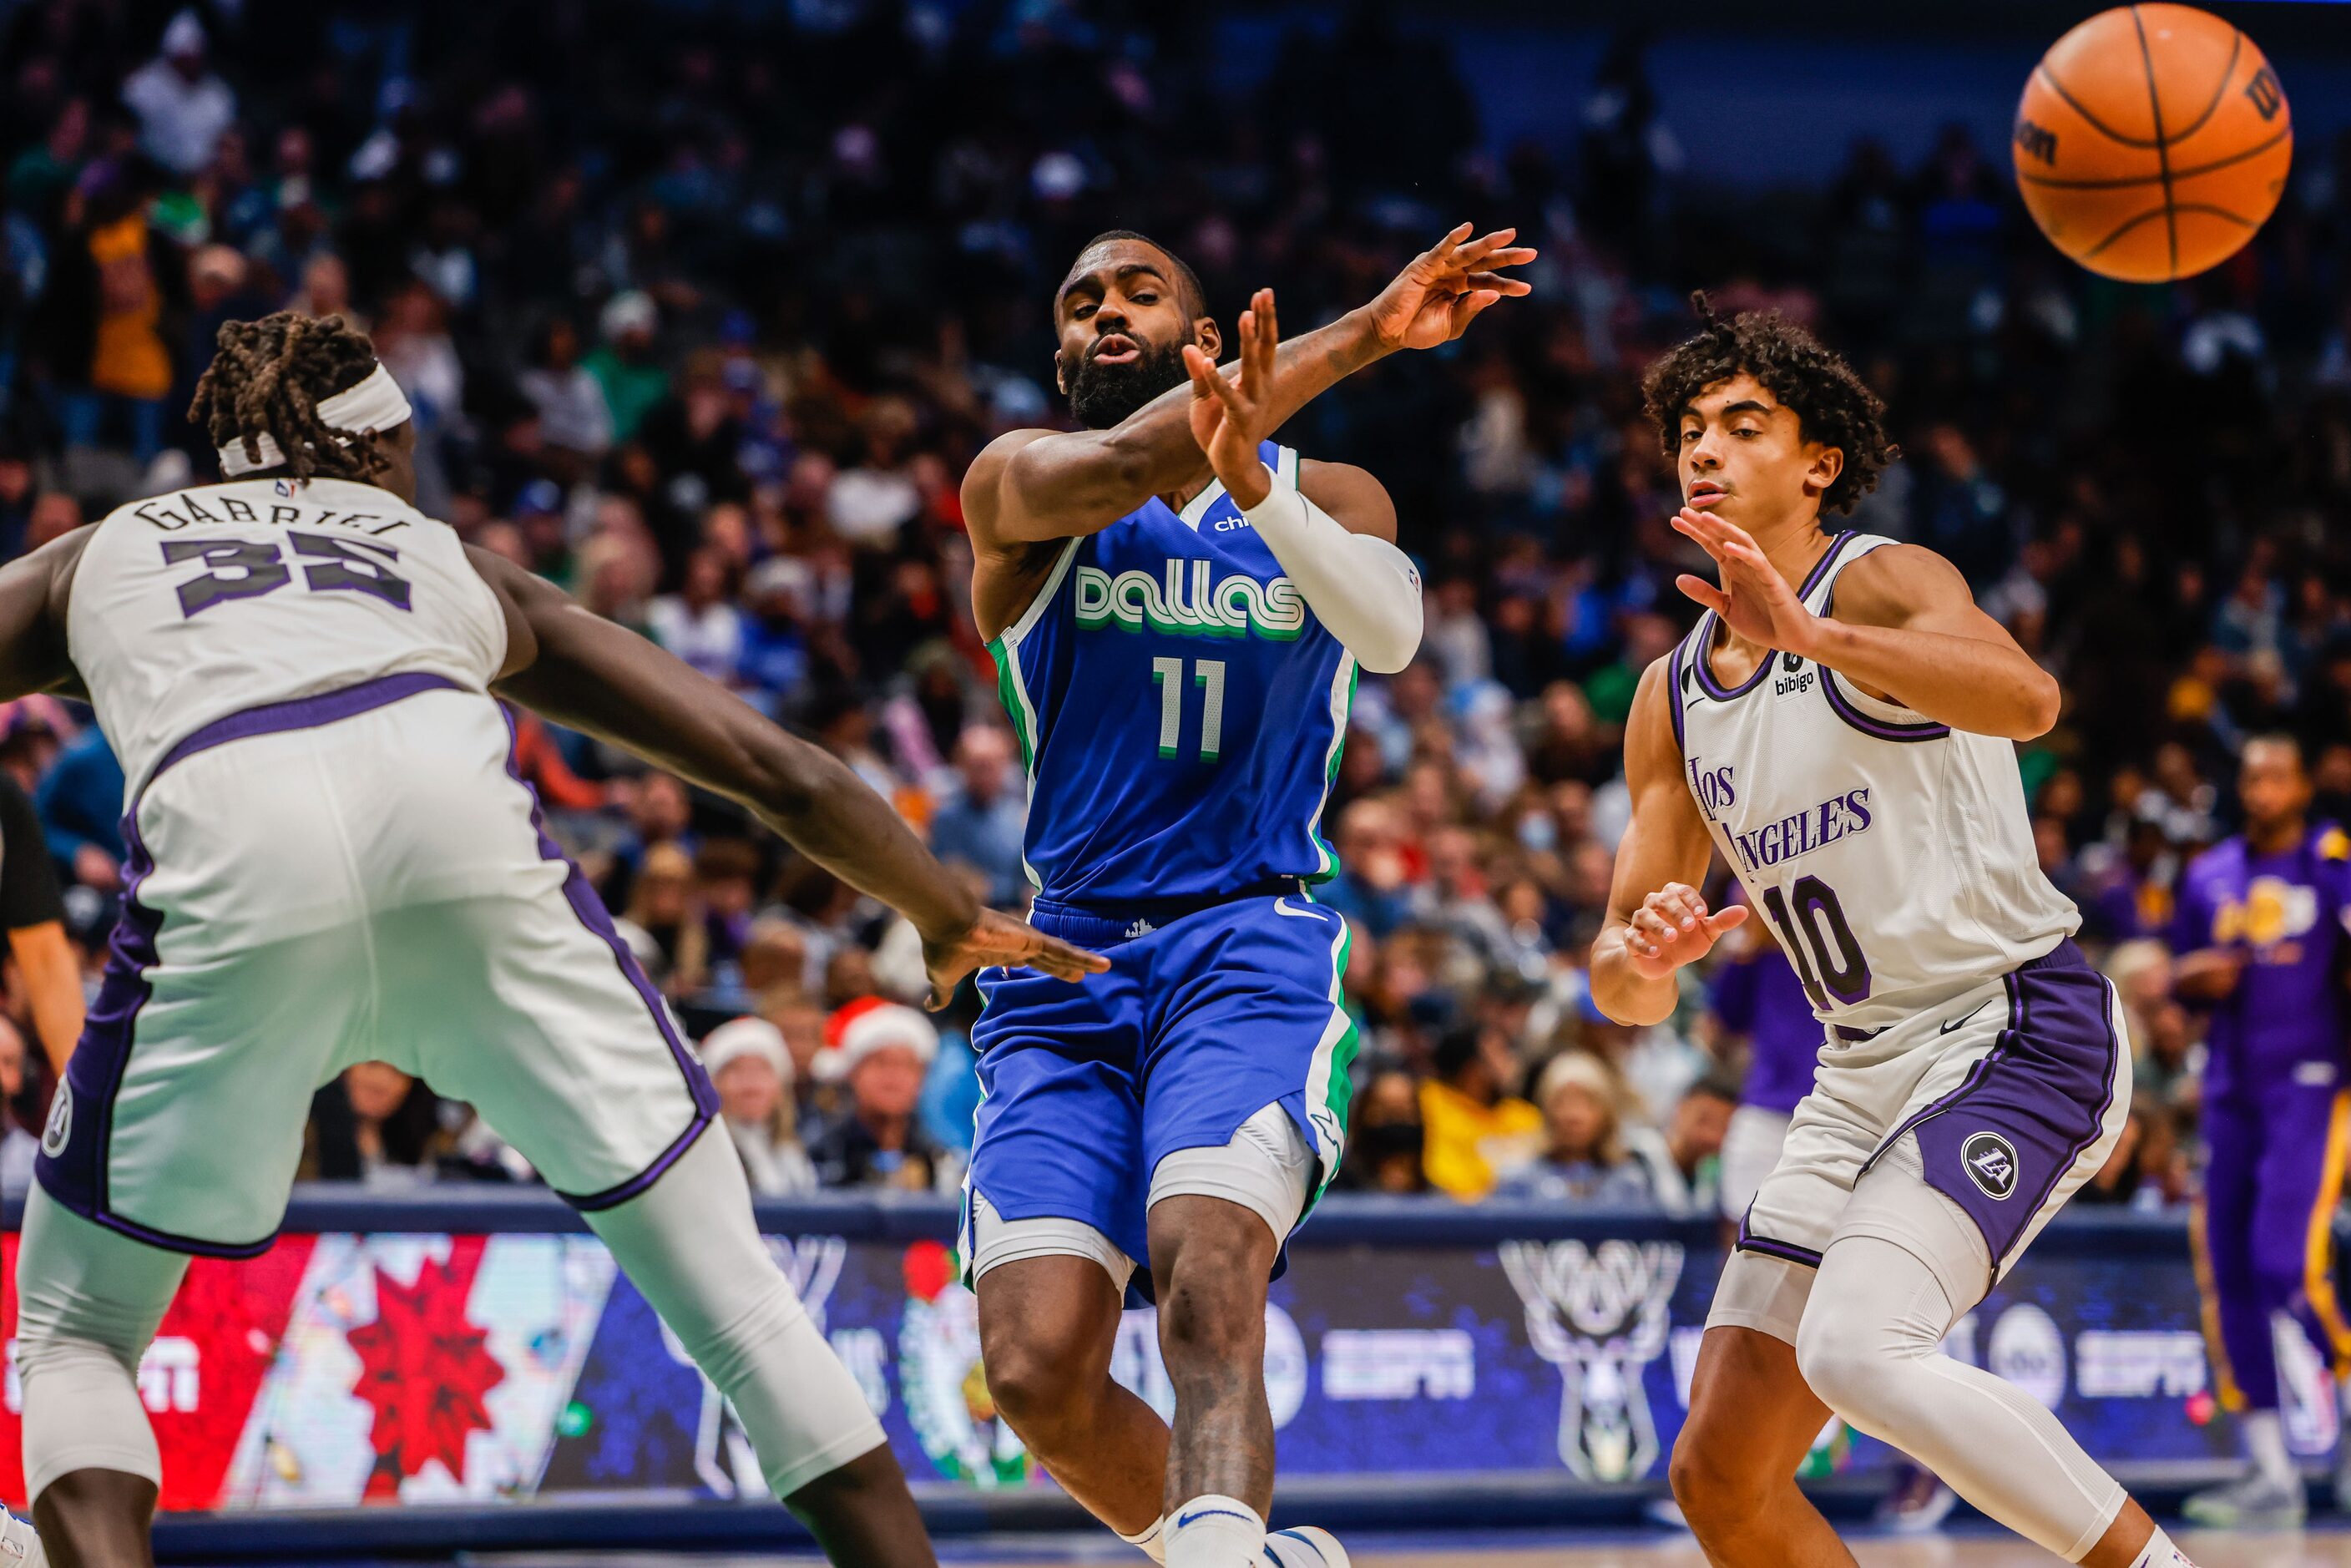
x=80, y=801
x=980, y=825
x=572, y=417
x=1683, y=1162
x=752, y=1070
x=1584, y=1159
x=19, y=1142
x=623, y=367
x=1385, y=1141
x=112, y=313
x=665, y=905
x=374, y=1125
x=1477, y=1130
x=700, y=623
x=183, y=107
x=879, y=1052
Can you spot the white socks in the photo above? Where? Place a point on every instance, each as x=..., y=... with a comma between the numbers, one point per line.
x=1214, y=1532
x=2161, y=1553
x=2265, y=1445
x=1152, y=1542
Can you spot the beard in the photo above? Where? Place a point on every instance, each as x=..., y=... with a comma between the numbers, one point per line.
x=1103, y=395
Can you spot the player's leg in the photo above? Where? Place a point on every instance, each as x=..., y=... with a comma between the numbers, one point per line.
x=1907, y=1263
x=1751, y=1421
x=1210, y=1261
x=2237, y=1221
x=688, y=1244
x=180, y=1121
x=1048, y=1325
x=525, y=1005
x=1054, y=1223
x=1243, y=1120
x=1752, y=1418
x=88, y=1303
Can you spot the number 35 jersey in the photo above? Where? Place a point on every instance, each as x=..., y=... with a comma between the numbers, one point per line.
x=191, y=606
x=1179, y=707
x=1893, y=856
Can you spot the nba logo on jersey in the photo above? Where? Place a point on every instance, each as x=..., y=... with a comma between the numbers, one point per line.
x=1990, y=1164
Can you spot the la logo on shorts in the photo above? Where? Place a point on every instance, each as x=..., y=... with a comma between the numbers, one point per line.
x=1990, y=1163
x=60, y=1127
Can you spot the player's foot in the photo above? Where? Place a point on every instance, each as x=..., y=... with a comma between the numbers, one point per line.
x=19, y=1546
x=2252, y=1501
x=1917, y=1505
x=1305, y=1547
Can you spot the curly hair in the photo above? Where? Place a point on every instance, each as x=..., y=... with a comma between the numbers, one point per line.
x=1831, y=404
x=268, y=378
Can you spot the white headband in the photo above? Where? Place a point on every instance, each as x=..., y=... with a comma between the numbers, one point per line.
x=376, y=404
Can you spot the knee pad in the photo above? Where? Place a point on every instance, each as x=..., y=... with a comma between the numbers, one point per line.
x=82, y=1412
x=1880, y=1311
x=1267, y=1168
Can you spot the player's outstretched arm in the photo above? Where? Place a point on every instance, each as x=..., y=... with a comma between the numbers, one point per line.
x=1657, y=921
x=1030, y=485
x=583, y=671
x=1904, y=625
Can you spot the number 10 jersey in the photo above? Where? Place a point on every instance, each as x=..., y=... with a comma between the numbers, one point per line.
x=1894, y=856
x=191, y=606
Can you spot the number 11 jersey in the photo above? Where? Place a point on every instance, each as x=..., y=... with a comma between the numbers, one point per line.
x=1894, y=856
x=1180, y=708
x=193, y=605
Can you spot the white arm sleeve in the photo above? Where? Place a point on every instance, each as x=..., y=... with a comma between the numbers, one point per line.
x=1364, y=589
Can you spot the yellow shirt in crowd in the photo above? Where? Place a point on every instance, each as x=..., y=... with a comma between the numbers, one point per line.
x=130, y=359
x=1468, y=1146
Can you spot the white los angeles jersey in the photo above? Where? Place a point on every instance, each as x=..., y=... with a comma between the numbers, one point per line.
x=191, y=606
x=1893, y=856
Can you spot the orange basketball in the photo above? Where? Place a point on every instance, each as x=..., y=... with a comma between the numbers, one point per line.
x=2152, y=141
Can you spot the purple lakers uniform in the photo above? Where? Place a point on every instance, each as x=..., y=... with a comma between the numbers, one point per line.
x=1758, y=995
x=2276, y=1110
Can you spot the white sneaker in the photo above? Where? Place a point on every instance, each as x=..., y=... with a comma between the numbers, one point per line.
x=20, y=1546
x=1305, y=1547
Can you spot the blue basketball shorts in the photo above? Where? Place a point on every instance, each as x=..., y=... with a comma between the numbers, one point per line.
x=1208, y=1015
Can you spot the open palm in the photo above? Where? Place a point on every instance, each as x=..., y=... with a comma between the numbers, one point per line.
x=1444, y=288
x=1230, y=414
x=1754, y=600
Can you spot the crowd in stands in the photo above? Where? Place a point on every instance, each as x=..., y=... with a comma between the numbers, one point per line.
x=704, y=310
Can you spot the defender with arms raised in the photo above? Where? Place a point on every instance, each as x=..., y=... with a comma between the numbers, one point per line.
x=1837, y=728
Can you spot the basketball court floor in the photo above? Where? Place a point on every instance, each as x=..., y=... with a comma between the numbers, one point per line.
x=1965, y=1548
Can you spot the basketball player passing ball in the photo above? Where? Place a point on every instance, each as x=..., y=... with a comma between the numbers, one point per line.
x=1837, y=727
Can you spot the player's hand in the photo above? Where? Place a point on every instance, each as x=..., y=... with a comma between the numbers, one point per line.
x=1754, y=600
x=1230, y=414
x=997, y=939
x=1673, y=927
x=1444, y=288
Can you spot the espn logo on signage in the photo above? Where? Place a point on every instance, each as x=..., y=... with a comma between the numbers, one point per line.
x=170, y=1377
x=1399, y=1363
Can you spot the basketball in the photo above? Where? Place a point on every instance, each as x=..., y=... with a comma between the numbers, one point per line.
x=2152, y=141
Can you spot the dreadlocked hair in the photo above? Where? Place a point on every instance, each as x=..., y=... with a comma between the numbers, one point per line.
x=268, y=378
x=1832, y=405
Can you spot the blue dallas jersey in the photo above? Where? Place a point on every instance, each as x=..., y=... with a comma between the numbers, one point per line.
x=1180, y=708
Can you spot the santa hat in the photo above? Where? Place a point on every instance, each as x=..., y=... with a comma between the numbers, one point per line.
x=863, y=1027
x=744, y=1036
